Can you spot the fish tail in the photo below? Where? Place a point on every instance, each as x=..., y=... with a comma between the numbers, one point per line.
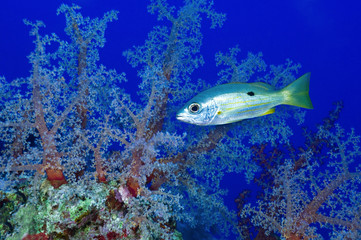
x=296, y=93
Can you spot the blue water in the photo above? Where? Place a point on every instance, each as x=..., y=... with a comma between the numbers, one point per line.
x=323, y=36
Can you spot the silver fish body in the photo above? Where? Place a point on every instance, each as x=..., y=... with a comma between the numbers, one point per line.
x=233, y=102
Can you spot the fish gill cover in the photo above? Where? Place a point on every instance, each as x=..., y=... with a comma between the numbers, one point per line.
x=84, y=156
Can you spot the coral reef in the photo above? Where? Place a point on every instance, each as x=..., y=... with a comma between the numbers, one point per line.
x=84, y=158
x=310, y=192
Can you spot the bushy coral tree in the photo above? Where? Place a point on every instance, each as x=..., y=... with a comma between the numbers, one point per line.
x=89, y=160
x=307, y=193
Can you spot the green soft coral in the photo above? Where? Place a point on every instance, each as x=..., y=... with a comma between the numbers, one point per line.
x=31, y=220
x=82, y=209
x=53, y=210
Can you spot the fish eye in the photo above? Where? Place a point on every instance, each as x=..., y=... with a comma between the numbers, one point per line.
x=194, y=107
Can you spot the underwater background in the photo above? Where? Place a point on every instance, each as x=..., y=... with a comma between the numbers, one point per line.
x=324, y=37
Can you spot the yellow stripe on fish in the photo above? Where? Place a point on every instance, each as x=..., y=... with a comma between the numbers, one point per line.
x=248, y=106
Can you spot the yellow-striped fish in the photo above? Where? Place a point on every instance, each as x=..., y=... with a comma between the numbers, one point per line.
x=233, y=102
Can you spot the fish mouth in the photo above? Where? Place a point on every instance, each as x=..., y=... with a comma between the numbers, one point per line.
x=181, y=117
x=185, y=118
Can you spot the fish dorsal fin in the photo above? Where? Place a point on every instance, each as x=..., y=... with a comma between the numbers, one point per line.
x=263, y=85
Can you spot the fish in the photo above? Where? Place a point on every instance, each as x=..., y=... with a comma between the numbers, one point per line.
x=233, y=102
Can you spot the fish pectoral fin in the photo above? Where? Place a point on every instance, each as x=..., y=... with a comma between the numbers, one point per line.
x=269, y=111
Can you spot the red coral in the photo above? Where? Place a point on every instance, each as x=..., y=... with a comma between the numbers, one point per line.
x=39, y=236
x=99, y=238
x=113, y=235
